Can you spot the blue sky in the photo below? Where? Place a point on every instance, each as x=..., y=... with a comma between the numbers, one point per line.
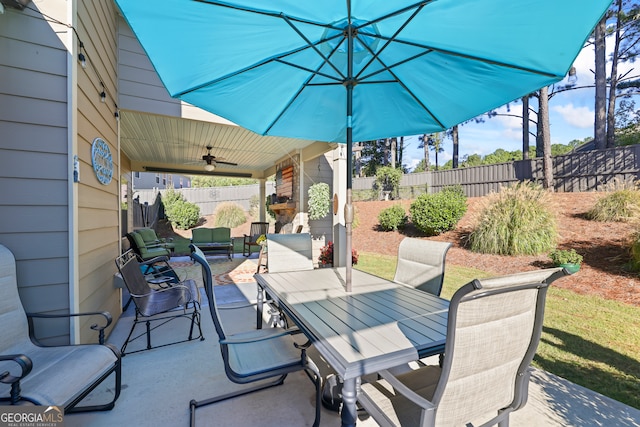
x=571, y=116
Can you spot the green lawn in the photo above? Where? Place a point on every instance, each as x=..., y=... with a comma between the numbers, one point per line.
x=588, y=340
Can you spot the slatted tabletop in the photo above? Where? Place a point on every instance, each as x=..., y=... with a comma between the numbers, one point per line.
x=379, y=325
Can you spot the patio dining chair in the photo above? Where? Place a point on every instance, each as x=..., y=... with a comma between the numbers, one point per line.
x=421, y=264
x=494, y=326
x=255, y=355
x=256, y=230
x=158, y=304
x=285, y=252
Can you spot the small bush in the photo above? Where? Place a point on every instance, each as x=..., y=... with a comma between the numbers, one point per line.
x=436, y=213
x=182, y=214
x=621, y=203
x=516, y=221
x=229, y=215
x=565, y=256
x=392, y=218
x=170, y=197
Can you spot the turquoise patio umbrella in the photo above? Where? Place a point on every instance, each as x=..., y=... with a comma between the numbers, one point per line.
x=343, y=71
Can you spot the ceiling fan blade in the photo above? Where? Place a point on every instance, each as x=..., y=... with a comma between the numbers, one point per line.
x=226, y=163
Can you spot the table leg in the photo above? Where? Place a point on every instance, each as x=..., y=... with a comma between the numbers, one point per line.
x=259, y=304
x=349, y=413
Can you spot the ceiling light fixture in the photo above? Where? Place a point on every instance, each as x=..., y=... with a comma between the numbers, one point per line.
x=209, y=167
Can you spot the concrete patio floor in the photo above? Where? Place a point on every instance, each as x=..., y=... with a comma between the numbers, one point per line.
x=157, y=386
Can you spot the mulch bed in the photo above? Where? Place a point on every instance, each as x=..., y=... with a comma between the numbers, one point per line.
x=605, y=246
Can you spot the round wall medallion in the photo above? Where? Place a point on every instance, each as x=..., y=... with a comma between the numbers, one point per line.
x=102, y=161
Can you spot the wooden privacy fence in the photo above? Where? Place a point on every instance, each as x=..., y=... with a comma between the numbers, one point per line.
x=578, y=171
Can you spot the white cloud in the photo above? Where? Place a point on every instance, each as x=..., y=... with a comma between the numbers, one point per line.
x=581, y=117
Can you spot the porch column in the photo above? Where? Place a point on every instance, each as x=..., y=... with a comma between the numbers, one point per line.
x=262, y=199
x=339, y=193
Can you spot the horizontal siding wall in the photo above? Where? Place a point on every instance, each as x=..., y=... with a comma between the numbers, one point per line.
x=33, y=157
x=98, y=205
x=580, y=171
x=140, y=87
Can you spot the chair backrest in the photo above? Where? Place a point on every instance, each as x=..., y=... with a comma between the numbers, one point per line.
x=148, y=235
x=421, y=264
x=289, y=252
x=13, y=319
x=493, y=330
x=129, y=267
x=207, y=279
x=140, y=247
x=257, y=229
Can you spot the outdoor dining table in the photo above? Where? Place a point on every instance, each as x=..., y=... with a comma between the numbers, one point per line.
x=378, y=325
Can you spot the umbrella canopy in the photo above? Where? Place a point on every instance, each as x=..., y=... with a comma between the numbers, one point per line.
x=339, y=71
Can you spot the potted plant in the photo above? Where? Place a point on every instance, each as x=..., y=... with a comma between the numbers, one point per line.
x=568, y=259
x=326, y=256
x=319, y=200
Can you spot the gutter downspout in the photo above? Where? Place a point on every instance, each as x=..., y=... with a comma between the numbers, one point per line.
x=72, y=149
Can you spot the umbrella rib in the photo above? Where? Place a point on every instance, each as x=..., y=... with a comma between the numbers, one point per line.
x=463, y=55
x=315, y=72
x=375, y=55
x=263, y=12
x=312, y=45
x=418, y=101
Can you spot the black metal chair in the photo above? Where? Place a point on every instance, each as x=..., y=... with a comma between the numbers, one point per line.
x=158, y=305
x=254, y=355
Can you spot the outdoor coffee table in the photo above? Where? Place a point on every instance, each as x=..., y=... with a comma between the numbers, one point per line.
x=379, y=325
x=224, y=247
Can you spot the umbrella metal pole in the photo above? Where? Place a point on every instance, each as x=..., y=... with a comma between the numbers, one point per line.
x=348, y=207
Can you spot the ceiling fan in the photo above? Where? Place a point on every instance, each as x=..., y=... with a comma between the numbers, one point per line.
x=212, y=161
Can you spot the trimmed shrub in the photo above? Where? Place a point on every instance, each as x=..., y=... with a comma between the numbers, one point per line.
x=392, y=218
x=182, y=214
x=516, y=221
x=436, y=213
x=229, y=215
x=621, y=203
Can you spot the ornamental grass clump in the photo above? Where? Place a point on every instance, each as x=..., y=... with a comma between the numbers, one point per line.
x=621, y=203
x=434, y=214
x=516, y=221
x=229, y=215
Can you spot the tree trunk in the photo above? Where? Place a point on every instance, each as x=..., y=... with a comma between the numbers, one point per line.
x=425, y=146
x=545, y=137
x=525, y=127
x=600, y=124
x=454, y=137
x=611, y=110
x=393, y=152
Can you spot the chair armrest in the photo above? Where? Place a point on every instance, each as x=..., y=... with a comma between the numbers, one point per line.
x=25, y=365
x=255, y=336
x=22, y=361
x=161, y=258
x=107, y=316
x=407, y=392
